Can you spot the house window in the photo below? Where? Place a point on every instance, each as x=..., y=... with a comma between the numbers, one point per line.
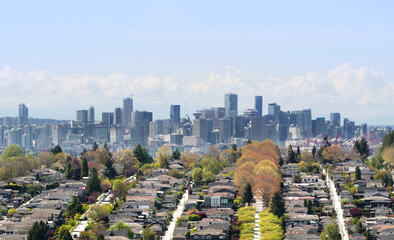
x=209, y=237
x=223, y=201
x=215, y=202
x=222, y=237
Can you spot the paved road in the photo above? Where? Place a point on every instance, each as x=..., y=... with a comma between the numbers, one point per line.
x=336, y=200
x=259, y=205
x=83, y=224
x=178, y=212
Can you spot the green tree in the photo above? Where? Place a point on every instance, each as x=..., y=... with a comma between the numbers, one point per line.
x=94, y=146
x=69, y=170
x=148, y=234
x=11, y=151
x=377, y=162
x=314, y=150
x=290, y=155
x=93, y=184
x=309, y=207
x=109, y=170
x=357, y=147
x=298, y=151
x=208, y=176
x=358, y=173
x=38, y=231
x=330, y=232
x=364, y=148
x=176, y=154
x=100, y=237
x=368, y=235
x=119, y=188
x=297, y=178
x=85, y=167
x=385, y=176
x=197, y=175
x=74, y=207
x=142, y=155
x=64, y=234
x=277, y=204
x=248, y=194
x=121, y=226
x=57, y=149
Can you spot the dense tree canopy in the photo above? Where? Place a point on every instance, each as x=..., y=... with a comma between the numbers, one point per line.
x=258, y=167
x=142, y=155
x=38, y=231
x=12, y=151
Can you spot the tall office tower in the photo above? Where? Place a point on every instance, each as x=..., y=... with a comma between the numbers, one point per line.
x=320, y=127
x=258, y=104
x=200, y=128
x=118, y=116
x=127, y=110
x=231, y=105
x=91, y=114
x=107, y=118
x=23, y=118
x=175, y=113
x=82, y=116
x=274, y=110
x=335, y=119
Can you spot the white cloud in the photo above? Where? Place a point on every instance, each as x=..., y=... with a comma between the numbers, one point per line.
x=358, y=92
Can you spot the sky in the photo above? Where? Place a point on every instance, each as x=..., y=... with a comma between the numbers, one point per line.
x=330, y=56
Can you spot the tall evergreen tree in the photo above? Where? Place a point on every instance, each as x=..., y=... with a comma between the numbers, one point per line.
x=298, y=151
x=358, y=173
x=38, y=231
x=142, y=155
x=176, y=154
x=368, y=235
x=93, y=184
x=234, y=147
x=69, y=170
x=309, y=207
x=75, y=207
x=85, y=167
x=57, y=149
x=314, y=150
x=94, y=146
x=248, y=194
x=83, y=152
x=357, y=147
x=109, y=170
x=290, y=155
x=364, y=148
x=277, y=204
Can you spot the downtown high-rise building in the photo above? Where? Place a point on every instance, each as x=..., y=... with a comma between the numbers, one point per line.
x=82, y=116
x=118, y=116
x=231, y=105
x=23, y=118
x=107, y=118
x=127, y=110
x=91, y=114
x=335, y=119
x=175, y=113
x=274, y=110
x=258, y=104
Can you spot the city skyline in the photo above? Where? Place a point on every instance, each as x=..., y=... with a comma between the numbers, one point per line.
x=98, y=115
x=312, y=55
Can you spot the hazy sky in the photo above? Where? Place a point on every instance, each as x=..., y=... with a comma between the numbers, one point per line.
x=330, y=56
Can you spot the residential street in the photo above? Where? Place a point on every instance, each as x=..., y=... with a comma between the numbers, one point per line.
x=177, y=213
x=337, y=205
